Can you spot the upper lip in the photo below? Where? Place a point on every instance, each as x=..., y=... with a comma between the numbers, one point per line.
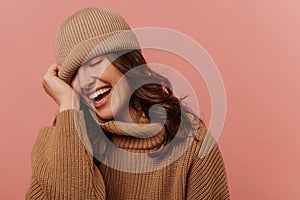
x=95, y=90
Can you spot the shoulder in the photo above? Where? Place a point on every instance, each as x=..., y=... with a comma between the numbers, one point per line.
x=203, y=142
x=207, y=167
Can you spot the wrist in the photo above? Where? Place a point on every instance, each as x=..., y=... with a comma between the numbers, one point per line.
x=63, y=107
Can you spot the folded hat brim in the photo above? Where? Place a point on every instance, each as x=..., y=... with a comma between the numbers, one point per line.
x=100, y=45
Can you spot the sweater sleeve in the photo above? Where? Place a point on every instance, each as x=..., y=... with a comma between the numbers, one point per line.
x=207, y=177
x=62, y=167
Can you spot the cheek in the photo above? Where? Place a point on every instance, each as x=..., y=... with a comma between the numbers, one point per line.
x=74, y=84
x=121, y=96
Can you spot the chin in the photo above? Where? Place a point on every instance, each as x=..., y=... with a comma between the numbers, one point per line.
x=105, y=115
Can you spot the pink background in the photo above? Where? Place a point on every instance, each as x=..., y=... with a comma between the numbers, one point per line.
x=254, y=43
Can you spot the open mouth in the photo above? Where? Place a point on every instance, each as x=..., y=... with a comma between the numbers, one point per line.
x=100, y=94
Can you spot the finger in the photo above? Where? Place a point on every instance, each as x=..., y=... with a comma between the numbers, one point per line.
x=58, y=66
x=53, y=69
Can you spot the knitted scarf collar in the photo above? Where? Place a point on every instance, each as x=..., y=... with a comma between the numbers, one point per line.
x=142, y=135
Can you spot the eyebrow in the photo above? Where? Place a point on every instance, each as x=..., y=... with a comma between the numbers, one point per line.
x=94, y=59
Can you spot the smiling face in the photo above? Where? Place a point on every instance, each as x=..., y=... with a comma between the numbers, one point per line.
x=102, y=87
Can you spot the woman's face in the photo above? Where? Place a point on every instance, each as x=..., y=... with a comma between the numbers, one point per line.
x=101, y=86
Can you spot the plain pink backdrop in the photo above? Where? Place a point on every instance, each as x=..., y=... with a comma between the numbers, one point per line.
x=254, y=43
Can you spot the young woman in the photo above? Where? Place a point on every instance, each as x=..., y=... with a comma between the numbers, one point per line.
x=128, y=136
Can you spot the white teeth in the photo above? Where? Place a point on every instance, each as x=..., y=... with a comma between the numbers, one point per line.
x=98, y=92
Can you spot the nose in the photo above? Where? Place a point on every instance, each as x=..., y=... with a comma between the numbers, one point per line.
x=89, y=77
x=86, y=81
x=87, y=84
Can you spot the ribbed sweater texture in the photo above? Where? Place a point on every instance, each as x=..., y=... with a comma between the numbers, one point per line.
x=63, y=168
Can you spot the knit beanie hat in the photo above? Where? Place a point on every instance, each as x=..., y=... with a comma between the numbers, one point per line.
x=90, y=32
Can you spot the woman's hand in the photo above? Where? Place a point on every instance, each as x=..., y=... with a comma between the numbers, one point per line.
x=57, y=89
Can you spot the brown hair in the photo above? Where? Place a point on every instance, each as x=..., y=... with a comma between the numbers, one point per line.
x=153, y=89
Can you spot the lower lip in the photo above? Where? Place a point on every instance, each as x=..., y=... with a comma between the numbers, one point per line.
x=103, y=101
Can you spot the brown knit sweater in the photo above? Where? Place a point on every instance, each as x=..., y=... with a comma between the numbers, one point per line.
x=63, y=168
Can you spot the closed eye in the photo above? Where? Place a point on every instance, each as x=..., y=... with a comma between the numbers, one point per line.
x=94, y=62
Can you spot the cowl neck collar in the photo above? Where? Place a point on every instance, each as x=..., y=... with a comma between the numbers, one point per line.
x=142, y=135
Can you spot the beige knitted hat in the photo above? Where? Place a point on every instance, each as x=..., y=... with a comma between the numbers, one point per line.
x=89, y=32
